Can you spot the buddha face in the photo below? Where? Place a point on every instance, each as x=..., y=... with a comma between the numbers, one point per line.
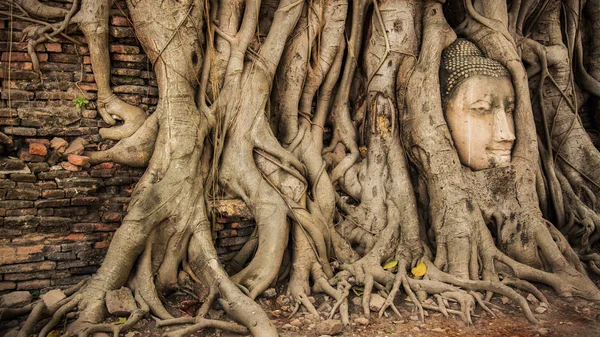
x=479, y=113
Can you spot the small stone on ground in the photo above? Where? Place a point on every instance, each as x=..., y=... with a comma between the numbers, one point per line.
x=53, y=296
x=330, y=327
x=120, y=302
x=15, y=299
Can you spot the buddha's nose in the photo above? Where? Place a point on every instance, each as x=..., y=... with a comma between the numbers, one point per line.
x=502, y=127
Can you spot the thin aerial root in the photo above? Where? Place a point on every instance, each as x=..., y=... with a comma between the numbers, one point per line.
x=389, y=301
x=186, y=268
x=10, y=313
x=210, y=299
x=342, y=303
x=594, y=267
x=412, y=296
x=526, y=286
x=295, y=310
x=40, y=311
x=481, y=302
x=174, y=321
x=204, y=323
x=441, y=306
x=461, y=314
x=466, y=303
x=306, y=303
x=133, y=319
x=368, y=286
x=59, y=314
x=322, y=285
x=495, y=287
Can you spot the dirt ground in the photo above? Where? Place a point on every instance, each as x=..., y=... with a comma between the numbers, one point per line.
x=574, y=318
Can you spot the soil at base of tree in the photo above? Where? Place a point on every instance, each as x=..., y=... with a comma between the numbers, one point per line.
x=572, y=318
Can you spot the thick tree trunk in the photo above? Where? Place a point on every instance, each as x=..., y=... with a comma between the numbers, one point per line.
x=325, y=117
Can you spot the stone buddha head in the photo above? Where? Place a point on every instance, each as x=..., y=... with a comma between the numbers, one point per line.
x=478, y=99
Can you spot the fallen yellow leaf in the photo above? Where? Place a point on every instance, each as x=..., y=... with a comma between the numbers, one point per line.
x=390, y=265
x=53, y=333
x=358, y=291
x=419, y=270
x=120, y=321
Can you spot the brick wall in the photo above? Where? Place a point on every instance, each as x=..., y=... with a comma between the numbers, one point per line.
x=56, y=224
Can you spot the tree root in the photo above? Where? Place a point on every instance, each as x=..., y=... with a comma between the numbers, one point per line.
x=134, y=151
x=198, y=324
x=133, y=117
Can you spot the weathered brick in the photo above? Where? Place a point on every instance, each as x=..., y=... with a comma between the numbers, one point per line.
x=120, y=21
x=87, y=227
x=8, y=112
x=6, y=184
x=21, y=212
x=25, y=177
x=10, y=121
x=51, y=175
x=46, y=185
x=21, y=222
x=18, y=131
x=75, y=246
x=71, y=211
x=123, y=49
x=59, y=131
x=33, y=284
x=53, y=194
x=22, y=194
x=38, y=167
x=78, y=160
x=61, y=256
x=73, y=279
x=117, y=32
x=111, y=217
x=38, y=149
x=27, y=267
x=101, y=244
x=226, y=242
x=7, y=285
x=53, y=47
x=129, y=57
x=26, y=156
x=54, y=221
x=45, y=212
x=102, y=173
x=84, y=201
x=88, y=86
x=20, y=75
x=89, y=270
x=135, y=89
x=70, y=264
x=52, y=66
x=22, y=57
x=15, y=204
x=54, y=203
x=125, y=72
x=37, y=275
x=64, y=58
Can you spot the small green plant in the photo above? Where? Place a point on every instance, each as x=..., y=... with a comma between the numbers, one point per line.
x=129, y=78
x=80, y=101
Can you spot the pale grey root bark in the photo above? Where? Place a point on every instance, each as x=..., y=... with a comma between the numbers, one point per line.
x=247, y=93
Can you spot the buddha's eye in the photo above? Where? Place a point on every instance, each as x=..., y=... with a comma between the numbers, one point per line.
x=481, y=109
x=510, y=109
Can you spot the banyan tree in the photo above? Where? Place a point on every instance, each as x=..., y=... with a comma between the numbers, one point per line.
x=441, y=135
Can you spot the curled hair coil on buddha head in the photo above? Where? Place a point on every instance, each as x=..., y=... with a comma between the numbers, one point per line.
x=462, y=60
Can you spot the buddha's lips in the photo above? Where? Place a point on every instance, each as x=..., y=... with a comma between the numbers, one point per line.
x=499, y=152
